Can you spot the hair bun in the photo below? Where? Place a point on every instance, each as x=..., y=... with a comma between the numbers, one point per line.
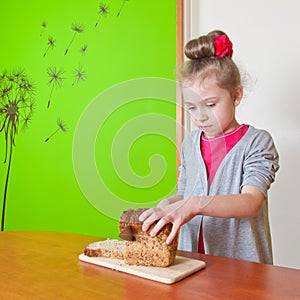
x=205, y=46
x=200, y=48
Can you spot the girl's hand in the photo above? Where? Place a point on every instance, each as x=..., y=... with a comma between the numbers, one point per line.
x=151, y=215
x=178, y=215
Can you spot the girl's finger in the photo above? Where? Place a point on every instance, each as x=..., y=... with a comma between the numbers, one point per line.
x=152, y=216
x=149, y=221
x=146, y=226
x=156, y=229
x=172, y=234
x=146, y=214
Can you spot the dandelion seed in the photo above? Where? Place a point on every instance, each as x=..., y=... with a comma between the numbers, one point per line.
x=55, y=76
x=83, y=49
x=5, y=90
x=103, y=11
x=3, y=75
x=25, y=87
x=20, y=73
x=61, y=126
x=121, y=8
x=26, y=120
x=44, y=25
x=79, y=75
x=51, y=44
x=56, y=80
x=77, y=28
x=11, y=77
x=16, y=107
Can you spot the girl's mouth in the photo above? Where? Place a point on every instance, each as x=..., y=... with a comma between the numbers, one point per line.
x=205, y=127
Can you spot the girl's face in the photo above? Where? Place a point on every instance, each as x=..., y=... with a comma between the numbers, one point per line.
x=212, y=108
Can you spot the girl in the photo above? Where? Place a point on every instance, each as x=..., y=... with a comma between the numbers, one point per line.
x=226, y=168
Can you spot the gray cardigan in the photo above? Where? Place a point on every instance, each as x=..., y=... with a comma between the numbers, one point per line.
x=252, y=161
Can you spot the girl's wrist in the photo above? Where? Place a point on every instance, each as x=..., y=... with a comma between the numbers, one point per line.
x=196, y=205
x=203, y=202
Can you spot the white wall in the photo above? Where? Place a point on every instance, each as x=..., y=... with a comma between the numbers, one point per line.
x=266, y=40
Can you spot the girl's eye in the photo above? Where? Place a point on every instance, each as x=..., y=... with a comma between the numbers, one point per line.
x=191, y=108
x=210, y=104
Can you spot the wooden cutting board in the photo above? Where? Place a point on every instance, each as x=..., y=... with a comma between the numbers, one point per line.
x=181, y=268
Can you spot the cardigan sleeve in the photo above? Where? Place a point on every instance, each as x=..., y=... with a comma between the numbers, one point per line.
x=261, y=162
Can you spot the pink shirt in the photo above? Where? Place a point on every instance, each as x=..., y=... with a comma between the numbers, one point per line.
x=213, y=151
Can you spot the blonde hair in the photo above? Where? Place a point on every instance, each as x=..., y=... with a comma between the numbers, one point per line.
x=204, y=63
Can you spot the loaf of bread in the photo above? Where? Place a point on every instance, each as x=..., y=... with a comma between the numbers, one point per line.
x=144, y=249
x=107, y=248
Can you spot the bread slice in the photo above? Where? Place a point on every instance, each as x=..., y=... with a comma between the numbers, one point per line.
x=107, y=248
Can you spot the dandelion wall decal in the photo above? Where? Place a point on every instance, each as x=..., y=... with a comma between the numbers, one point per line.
x=79, y=75
x=121, y=8
x=61, y=126
x=83, y=49
x=51, y=44
x=77, y=28
x=44, y=25
x=56, y=79
x=103, y=11
x=16, y=108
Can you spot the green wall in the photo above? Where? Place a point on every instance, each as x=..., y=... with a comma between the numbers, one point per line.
x=107, y=140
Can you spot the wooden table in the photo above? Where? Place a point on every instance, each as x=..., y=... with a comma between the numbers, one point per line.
x=45, y=265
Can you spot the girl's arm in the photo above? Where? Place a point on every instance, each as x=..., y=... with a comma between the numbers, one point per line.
x=246, y=204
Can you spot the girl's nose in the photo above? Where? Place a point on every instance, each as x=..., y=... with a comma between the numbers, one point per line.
x=201, y=115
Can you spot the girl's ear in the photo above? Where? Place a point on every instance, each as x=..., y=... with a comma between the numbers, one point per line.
x=238, y=95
